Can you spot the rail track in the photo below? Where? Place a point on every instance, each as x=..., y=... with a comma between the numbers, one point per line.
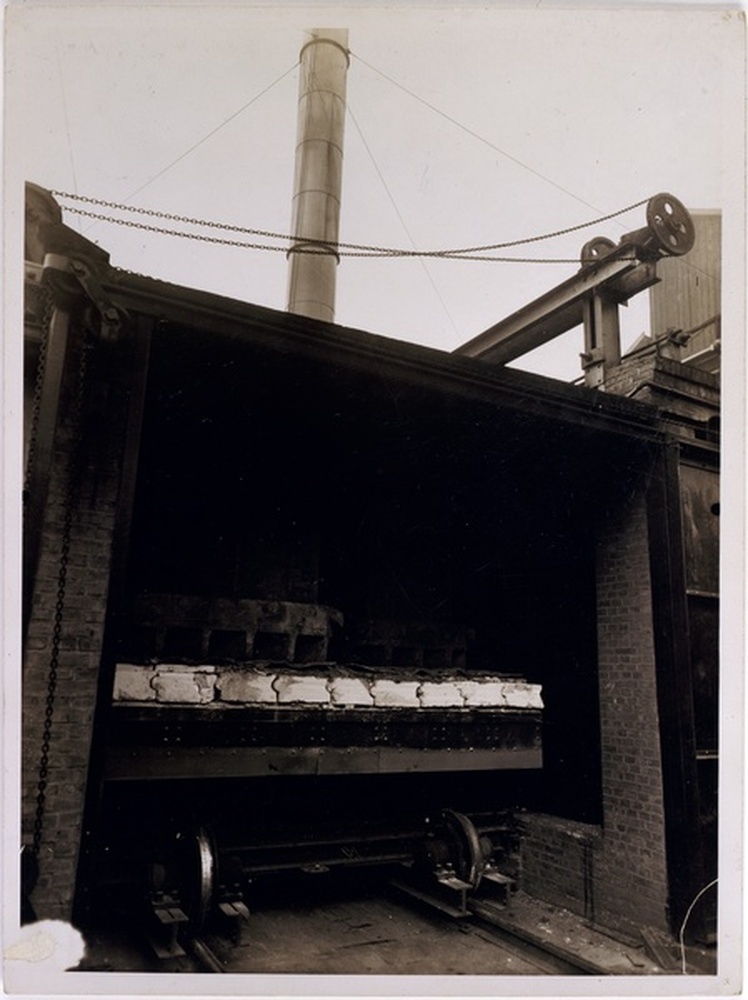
x=375, y=934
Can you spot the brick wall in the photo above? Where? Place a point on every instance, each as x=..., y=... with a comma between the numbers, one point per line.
x=631, y=373
x=557, y=861
x=617, y=873
x=632, y=878
x=81, y=635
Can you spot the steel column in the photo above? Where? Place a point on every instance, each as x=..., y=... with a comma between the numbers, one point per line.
x=674, y=685
x=602, y=339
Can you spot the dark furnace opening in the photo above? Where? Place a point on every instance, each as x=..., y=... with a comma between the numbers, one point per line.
x=450, y=533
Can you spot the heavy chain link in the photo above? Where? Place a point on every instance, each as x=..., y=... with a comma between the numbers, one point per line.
x=475, y=253
x=41, y=365
x=72, y=493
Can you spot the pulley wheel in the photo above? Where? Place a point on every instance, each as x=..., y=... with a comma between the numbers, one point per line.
x=466, y=853
x=671, y=224
x=595, y=249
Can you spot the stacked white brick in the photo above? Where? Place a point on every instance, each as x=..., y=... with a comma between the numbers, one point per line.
x=180, y=684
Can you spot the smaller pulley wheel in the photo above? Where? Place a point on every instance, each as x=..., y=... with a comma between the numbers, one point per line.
x=671, y=224
x=595, y=249
x=465, y=848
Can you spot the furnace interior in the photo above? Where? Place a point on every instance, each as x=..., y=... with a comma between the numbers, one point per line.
x=413, y=508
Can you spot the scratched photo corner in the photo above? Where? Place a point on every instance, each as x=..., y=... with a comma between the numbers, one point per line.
x=373, y=513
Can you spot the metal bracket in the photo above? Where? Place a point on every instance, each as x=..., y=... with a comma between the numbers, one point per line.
x=497, y=885
x=445, y=893
x=163, y=939
x=72, y=275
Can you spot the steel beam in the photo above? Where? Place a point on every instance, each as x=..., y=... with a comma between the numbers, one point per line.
x=620, y=274
x=160, y=763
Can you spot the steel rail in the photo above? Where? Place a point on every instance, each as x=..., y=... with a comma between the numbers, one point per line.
x=204, y=955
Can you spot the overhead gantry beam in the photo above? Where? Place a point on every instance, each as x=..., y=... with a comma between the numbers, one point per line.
x=560, y=309
x=610, y=276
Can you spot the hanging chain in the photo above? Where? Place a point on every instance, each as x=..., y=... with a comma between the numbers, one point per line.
x=72, y=492
x=41, y=364
x=318, y=247
x=475, y=253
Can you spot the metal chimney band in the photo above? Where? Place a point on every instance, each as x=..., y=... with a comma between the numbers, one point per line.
x=327, y=41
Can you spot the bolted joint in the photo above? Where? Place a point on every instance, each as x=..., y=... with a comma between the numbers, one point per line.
x=114, y=326
x=678, y=337
x=592, y=357
x=72, y=279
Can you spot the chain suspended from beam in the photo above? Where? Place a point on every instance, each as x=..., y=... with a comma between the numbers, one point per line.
x=71, y=498
x=343, y=248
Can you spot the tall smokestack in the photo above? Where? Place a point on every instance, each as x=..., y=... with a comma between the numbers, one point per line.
x=318, y=177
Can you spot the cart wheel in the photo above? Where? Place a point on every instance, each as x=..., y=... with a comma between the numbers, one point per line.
x=466, y=852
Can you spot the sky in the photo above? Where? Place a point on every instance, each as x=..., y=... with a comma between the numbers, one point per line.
x=465, y=126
